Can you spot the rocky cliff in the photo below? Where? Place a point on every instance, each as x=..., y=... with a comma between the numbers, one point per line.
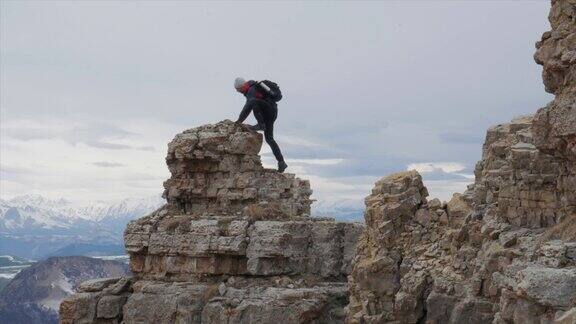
x=505, y=250
x=234, y=244
x=555, y=125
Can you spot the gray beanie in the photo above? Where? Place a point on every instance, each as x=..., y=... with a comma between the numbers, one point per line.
x=239, y=82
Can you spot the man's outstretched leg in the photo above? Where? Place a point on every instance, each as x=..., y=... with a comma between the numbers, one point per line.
x=269, y=137
x=257, y=127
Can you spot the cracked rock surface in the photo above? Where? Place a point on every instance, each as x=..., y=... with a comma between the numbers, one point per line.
x=502, y=252
x=234, y=244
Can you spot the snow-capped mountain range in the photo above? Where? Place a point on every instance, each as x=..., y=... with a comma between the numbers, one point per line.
x=34, y=226
x=34, y=210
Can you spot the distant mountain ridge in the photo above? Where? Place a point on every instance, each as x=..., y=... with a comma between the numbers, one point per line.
x=33, y=226
x=340, y=209
x=11, y=261
x=34, y=295
x=9, y=268
x=93, y=211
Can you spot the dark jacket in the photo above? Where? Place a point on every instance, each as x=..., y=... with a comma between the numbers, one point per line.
x=255, y=97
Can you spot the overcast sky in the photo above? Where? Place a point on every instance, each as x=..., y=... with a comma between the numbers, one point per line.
x=92, y=91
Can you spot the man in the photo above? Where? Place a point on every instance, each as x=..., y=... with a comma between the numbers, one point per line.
x=261, y=100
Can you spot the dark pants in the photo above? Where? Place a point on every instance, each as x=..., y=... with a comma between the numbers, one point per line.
x=266, y=113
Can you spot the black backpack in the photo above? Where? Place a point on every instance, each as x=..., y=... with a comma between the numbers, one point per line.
x=275, y=88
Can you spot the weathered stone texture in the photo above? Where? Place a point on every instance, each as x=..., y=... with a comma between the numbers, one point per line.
x=407, y=249
x=212, y=245
x=555, y=125
x=98, y=301
x=216, y=169
x=503, y=251
x=568, y=317
x=411, y=267
x=234, y=244
x=323, y=304
x=527, y=187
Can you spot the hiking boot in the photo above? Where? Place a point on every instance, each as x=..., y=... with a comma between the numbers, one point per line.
x=282, y=166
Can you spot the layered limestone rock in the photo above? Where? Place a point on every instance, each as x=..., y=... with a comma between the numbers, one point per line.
x=555, y=124
x=502, y=252
x=216, y=170
x=164, y=246
x=411, y=264
x=420, y=261
x=235, y=243
x=522, y=185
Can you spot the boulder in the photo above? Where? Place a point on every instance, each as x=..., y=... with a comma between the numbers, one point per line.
x=549, y=286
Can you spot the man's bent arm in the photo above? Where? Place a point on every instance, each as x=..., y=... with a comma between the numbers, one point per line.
x=244, y=113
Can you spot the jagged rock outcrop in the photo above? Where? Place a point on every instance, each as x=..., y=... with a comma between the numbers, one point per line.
x=235, y=244
x=411, y=262
x=502, y=252
x=486, y=256
x=555, y=125
x=523, y=186
x=216, y=170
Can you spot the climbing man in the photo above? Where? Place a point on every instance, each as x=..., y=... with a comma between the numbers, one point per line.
x=261, y=98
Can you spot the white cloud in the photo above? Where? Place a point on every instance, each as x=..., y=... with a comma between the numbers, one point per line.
x=315, y=161
x=466, y=175
x=297, y=141
x=75, y=93
x=448, y=167
x=444, y=189
x=56, y=167
x=107, y=164
x=96, y=134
